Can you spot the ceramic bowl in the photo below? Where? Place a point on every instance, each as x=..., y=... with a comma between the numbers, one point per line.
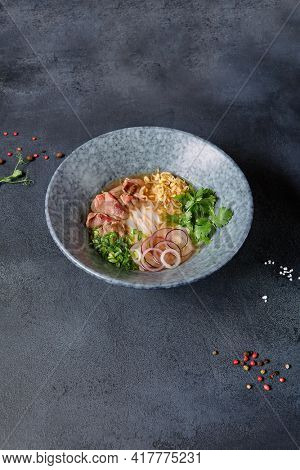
x=137, y=150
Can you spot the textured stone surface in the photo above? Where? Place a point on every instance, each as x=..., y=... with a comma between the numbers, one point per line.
x=86, y=365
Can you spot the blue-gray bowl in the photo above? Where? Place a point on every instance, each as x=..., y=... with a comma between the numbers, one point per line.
x=137, y=150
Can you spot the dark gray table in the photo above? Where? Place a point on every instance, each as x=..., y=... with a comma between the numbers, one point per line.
x=140, y=374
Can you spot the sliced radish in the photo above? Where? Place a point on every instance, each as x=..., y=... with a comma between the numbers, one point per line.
x=166, y=244
x=188, y=249
x=161, y=233
x=149, y=261
x=178, y=236
x=170, y=252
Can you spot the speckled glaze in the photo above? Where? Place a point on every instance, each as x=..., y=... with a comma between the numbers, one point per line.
x=137, y=150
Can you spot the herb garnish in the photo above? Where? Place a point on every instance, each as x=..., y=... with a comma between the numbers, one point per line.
x=135, y=235
x=199, y=214
x=114, y=249
x=17, y=176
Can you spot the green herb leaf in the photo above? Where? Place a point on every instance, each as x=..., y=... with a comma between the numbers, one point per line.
x=198, y=214
x=17, y=176
x=222, y=217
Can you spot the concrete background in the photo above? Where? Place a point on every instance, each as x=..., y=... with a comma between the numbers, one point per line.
x=140, y=374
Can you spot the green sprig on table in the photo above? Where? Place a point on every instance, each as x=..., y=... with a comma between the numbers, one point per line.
x=17, y=176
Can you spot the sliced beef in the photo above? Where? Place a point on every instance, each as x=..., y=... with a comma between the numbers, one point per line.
x=117, y=227
x=105, y=224
x=107, y=203
x=117, y=191
x=126, y=199
x=95, y=220
x=131, y=186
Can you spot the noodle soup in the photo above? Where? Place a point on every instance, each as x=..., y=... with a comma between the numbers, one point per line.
x=153, y=222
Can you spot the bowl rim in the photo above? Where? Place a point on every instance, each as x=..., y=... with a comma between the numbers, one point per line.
x=121, y=282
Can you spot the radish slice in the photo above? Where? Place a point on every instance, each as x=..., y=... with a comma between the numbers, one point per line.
x=174, y=253
x=178, y=236
x=146, y=263
x=188, y=249
x=161, y=233
x=165, y=244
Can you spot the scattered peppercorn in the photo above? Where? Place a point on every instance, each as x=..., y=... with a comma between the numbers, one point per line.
x=266, y=361
x=260, y=363
x=215, y=352
x=33, y=138
x=5, y=133
x=46, y=157
x=235, y=362
x=287, y=366
x=2, y=161
x=252, y=363
x=59, y=155
x=276, y=372
x=260, y=378
x=248, y=386
x=44, y=151
x=15, y=133
x=263, y=371
x=267, y=387
x=271, y=376
x=246, y=353
x=246, y=367
x=246, y=358
x=29, y=158
x=282, y=379
x=254, y=355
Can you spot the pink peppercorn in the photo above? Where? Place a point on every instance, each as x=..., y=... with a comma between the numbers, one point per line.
x=46, y=157
x=282, y=379
x=235, y=362
x=260, y=378
x=246, y=358
x=252, y=363
x=5, y=133
x=15, y=133
x=33, y=138
x=267, y=387
x=254, y=355
x=36, y=155
x=9, y=154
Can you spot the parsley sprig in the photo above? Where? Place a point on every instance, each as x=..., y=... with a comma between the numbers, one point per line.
x=17, y=176
x=199, y=214
x=114, y=249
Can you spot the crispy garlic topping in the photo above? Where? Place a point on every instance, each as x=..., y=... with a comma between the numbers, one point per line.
x=160, y=187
